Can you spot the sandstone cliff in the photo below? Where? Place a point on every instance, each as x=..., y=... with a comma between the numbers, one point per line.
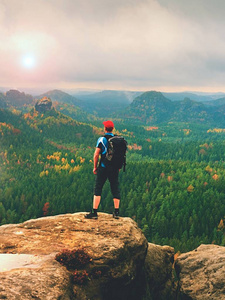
x=121, y=263
x=43, y=104
x=201, y=273
x=117, y=249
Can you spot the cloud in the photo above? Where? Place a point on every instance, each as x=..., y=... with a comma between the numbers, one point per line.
x=128, y=44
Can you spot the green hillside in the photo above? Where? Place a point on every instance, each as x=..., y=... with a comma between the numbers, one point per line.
x=173, y=185
x=2, y=101
x=152, y=108
x=60, y=96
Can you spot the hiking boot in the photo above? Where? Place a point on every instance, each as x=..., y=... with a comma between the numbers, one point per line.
x=91, y=215
x=116, y=215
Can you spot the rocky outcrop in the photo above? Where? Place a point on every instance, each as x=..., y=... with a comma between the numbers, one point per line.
x=120, y=263
x=158, y=267
x=117, y=249
x=33, y=277
x=201, y=273
x=43, y=105
x=16, y=98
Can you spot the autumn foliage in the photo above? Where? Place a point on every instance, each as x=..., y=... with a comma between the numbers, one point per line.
x=173, y=185
x=45, y=209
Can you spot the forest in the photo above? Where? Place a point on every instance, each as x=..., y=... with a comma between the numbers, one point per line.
x=173, y=186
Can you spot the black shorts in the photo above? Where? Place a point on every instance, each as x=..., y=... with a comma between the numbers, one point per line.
x=112, y=175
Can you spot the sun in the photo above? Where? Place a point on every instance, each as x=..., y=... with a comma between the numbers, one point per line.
x=28, y=61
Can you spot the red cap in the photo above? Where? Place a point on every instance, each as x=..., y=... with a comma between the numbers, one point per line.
x=108, y=124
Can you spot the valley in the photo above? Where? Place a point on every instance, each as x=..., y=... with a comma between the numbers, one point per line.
x=173, y=186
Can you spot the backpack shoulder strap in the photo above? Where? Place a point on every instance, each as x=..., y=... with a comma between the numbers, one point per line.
x=107, y=136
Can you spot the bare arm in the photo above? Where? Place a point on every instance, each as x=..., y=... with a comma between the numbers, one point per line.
x=96, y=157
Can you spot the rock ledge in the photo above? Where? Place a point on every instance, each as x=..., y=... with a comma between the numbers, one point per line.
x=117, y=248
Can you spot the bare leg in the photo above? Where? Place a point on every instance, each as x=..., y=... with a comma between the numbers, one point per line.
x=116, y=203
x=96, y=201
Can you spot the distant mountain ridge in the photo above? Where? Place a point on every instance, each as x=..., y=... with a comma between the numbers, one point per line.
x=107, y=102
x=64, y=102
x=17, y=98
x=60, y=96
x=217, y=102
x=154, y=108
x=67, y=104
x=201, y=97
x=150, y=107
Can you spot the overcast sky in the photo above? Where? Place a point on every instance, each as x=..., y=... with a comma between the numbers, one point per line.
x=165, y=45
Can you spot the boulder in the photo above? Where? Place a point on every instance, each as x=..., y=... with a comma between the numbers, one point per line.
x=201, y=273
x=117, y=249
x=43, y=105
x=27, y=277
x=159, y=272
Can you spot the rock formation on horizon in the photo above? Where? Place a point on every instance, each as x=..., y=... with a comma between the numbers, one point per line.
x=43, y=104
x=17, y=98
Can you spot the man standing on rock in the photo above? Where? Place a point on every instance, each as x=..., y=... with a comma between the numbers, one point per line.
x=105, y=171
